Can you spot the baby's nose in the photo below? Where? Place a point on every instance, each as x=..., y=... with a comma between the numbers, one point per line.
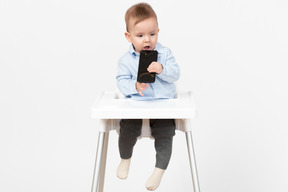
x=147, y=38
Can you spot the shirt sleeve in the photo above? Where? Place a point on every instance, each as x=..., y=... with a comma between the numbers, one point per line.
x=125, y=81
x=171, y=70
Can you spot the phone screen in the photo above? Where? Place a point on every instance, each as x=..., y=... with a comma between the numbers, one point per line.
x=146, y=58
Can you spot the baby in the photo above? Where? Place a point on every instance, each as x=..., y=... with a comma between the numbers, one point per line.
x=142, y=33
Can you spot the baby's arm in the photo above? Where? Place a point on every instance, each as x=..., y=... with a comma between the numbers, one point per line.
x=170, y=71
x=125, y=80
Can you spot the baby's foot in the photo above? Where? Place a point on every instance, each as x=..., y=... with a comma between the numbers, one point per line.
x=123, y=169
x=155, y=179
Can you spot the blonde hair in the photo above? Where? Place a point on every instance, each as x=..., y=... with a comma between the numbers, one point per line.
x=139, y=12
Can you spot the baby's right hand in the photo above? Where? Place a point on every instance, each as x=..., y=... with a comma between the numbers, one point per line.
x=141, y=87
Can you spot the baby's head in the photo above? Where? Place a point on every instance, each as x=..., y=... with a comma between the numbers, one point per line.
x=142, y=27
x=138, y=13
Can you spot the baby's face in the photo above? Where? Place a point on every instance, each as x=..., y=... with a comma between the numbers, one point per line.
x=143, y=35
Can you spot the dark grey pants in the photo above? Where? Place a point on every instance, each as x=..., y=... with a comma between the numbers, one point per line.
x=162, y=130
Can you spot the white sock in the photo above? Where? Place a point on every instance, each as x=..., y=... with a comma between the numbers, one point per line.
x=123, y=169
x=155, y=179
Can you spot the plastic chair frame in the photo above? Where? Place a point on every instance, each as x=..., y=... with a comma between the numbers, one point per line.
x=109, y=108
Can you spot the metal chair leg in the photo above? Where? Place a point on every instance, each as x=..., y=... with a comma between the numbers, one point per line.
x=103, y=162
x=97, y=167
x=192, y=160
x=100, y=160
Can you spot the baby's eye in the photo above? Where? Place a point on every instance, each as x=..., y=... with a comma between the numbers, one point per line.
x=152, y=34
x=139, y=35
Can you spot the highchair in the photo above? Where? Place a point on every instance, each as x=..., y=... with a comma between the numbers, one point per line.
x=110, y=108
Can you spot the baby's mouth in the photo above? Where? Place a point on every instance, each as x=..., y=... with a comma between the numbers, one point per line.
x=146, y=48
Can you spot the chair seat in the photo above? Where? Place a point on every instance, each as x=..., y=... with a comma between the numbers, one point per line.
x=114, y=124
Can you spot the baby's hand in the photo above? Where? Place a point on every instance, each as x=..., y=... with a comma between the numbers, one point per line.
x=141, y=87
x=155, y=67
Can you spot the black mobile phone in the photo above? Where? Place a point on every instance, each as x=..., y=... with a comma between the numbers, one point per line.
x=146, y=58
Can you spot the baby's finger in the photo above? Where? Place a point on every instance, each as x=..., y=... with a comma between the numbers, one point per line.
x=145, y=85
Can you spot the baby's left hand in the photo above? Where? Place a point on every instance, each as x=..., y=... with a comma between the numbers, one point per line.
x=155, y=67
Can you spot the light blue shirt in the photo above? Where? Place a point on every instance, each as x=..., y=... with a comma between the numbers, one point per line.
x=162, y=88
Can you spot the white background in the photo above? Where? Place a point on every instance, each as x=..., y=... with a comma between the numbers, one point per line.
x=56, y=56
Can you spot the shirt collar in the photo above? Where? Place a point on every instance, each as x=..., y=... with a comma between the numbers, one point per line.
x=158, y=48
x=132, y=51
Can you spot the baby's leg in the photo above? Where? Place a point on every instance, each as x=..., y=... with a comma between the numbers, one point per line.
x=130, y=129
x=163, y=131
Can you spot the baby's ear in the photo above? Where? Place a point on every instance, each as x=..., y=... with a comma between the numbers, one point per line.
x=128, y=36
